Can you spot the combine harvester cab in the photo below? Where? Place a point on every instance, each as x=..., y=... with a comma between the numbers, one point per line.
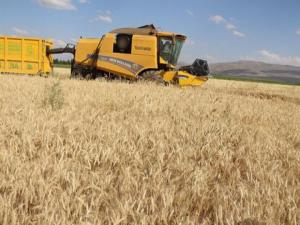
x=135, y=53
x=24, y=55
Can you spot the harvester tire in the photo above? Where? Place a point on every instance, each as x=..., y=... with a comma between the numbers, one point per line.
x=76, y=73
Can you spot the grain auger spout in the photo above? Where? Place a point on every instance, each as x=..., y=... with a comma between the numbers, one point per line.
x=70, y=48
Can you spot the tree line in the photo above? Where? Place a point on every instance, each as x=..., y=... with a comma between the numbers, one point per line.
x=62, y=62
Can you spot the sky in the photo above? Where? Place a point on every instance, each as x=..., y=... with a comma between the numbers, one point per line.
x=217, y=30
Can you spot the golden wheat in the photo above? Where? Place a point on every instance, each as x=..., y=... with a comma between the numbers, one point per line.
x=139, y=153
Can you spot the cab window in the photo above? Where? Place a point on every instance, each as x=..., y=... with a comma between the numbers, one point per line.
x=123, y=44
x=166, y=48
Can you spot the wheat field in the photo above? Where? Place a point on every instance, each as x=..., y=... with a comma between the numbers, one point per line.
x=98, y=152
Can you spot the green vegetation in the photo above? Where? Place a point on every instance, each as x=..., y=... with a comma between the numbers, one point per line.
x=247, y=79
x=62, y=63
x=53, y=97
x=62, y=66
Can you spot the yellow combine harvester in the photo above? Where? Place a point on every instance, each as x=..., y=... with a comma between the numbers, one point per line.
x=135, y=53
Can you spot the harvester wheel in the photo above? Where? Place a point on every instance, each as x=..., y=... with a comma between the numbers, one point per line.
x=153, y=75
x=76, y=73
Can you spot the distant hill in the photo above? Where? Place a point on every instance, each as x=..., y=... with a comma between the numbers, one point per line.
x=257, y=71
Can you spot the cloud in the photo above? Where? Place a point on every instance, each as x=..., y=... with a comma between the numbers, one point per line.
x=211, y=59
x=218, y=19
x=298, y=32
x=230, y=26
x=57, y=4
x=190, y=42
x=59, y=43
x=238, y=34
x=271, y=57
x=83, y=1
x=74, y=40
x=104, y=17
x=20, y=31
x=248, y=58
x=189, y=12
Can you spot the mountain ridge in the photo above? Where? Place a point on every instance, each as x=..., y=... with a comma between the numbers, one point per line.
x=257, y=70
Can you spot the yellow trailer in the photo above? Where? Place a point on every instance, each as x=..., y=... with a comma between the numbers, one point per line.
x=23, y=55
